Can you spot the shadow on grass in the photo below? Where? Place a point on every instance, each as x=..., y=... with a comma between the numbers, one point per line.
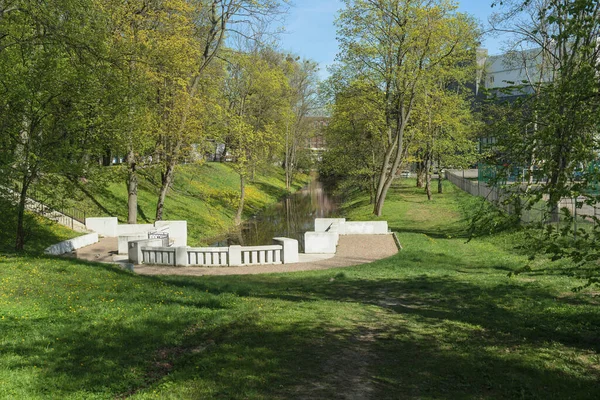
x=39, y=233
x=510, y=310
x=447, y=232
x=398, y=334
x=240, y=356
x=421, y=345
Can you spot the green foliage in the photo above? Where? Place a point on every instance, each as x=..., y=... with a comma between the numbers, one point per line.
x=552, y=129
x=398, y=48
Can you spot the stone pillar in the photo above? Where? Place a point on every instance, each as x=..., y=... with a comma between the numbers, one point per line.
x=235, y=255
x=135, y=251
x=320, y=242
x=290, y=249
x=181, y=256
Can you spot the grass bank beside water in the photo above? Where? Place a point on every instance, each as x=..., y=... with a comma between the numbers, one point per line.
x=441, y=319
x=205, y=195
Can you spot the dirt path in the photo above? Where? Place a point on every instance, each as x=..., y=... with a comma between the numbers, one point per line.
x=352, y=250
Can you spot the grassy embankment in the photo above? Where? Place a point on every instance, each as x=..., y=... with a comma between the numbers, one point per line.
x=206, y=196
x=439, y=320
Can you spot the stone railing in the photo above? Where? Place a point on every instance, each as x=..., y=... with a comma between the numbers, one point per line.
x=261, y=255
x=152, y=252
x=159, y=255
x=209, y=256
x=126, y=233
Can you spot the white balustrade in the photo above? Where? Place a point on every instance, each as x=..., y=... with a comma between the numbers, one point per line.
x=158, y=255
x=209, y=256
x=253, y=255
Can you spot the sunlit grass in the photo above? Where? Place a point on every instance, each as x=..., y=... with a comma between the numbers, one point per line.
x=439, y=320
x=205, y=195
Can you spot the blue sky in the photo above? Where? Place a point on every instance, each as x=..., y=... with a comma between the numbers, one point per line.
x=311, y=34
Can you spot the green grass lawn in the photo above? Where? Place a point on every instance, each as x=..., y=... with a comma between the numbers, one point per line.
x=205, y=195
x=40, y=232
x=440, y=320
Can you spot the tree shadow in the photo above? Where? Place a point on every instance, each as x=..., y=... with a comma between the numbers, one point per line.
x=378, y=331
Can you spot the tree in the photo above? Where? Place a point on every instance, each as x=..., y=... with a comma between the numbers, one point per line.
x=215, y=19
x=444, y=122
x=558, y=112
x=396, y=45
x=561, y=120
x=154, y=50
x=258, y=104
x=52, y=93
x=355, y=138
x=303, y=80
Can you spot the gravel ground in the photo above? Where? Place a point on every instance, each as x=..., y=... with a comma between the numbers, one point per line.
x=352, y=250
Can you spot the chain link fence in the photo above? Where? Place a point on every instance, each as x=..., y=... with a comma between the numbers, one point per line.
x=572, y=210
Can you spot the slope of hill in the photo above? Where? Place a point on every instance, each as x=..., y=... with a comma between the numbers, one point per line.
x=205, y=195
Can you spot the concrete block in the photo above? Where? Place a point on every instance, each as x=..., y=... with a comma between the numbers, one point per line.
x=122, y=247
x=320, y=242
x=181, y=256
x=135, y=248
x=133, y=229
x=177, y=231
x=235, y=255
x=326, y=224
x=366, y=228
x=103, y=226
x=67, y=246
x=290, y=249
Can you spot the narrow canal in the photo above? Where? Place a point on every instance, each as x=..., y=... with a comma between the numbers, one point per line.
x=290, y=217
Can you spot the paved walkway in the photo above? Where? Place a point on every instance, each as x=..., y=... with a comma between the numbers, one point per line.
x=352, y=250
x=103, y=251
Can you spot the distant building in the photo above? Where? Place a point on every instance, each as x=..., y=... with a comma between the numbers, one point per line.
x=316, y=140
x=505, y=78
x=511, y=74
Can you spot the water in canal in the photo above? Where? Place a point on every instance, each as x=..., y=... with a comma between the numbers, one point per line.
x=291, y=217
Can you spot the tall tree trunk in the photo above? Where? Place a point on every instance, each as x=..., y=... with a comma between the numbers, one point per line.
x=288, y=172
x=557, y=182
x=440, y=177
x=387, y=174
x=166, y=180
x=420, y=174
x=428, y=165
x=20, y=239
x=132, y=187
x=240, y=210
x=420, y=169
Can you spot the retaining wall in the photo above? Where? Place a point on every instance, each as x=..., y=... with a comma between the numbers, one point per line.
x=110, y=227
x=325, y=238
x=70, y=245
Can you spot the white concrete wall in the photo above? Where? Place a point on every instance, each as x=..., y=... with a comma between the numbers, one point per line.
x=134, y=229
x=325, y=224
x=70, y=245
x=123, y=246
x=289, y=253
x=177, y=231
x=320, y=242
x=103, y=226
x=366, y=228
